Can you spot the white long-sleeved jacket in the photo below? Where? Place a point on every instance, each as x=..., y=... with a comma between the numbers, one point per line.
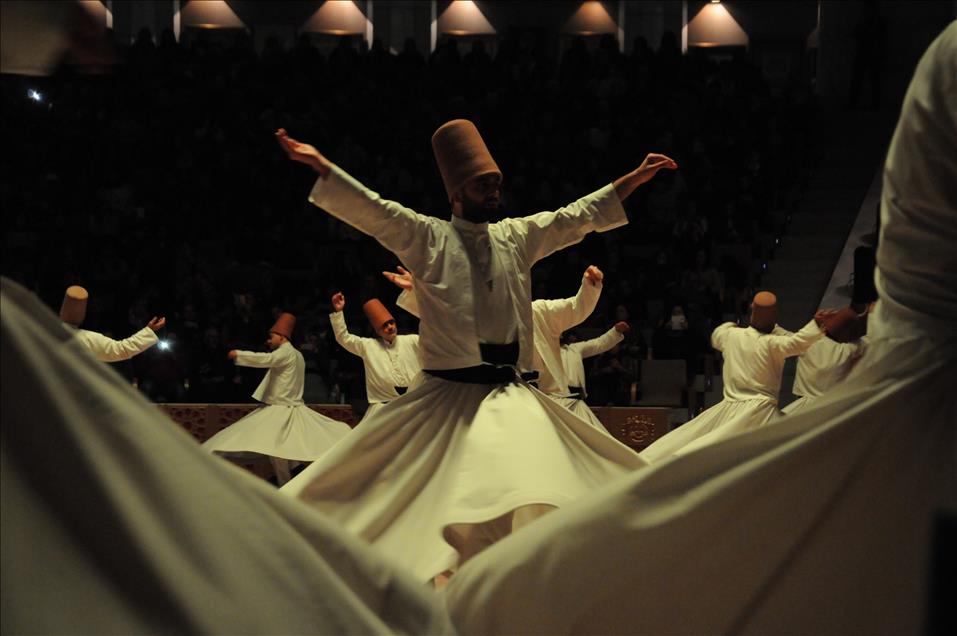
x=573, y=356
x=386, y=366
x=284, y=381
x=108, y=350
x=825, y=364
x=550, y=319
x=433, y=250
x=754, y=361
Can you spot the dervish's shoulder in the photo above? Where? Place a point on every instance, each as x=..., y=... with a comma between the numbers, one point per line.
x=507, y=227
x=290, y=353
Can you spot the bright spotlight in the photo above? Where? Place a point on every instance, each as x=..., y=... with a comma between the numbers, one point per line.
x=34, y=95
x=164, y=345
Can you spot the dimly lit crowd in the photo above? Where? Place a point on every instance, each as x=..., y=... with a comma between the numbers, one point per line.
x=159, y=188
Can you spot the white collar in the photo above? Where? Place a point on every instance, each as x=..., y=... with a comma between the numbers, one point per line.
x=467, y=226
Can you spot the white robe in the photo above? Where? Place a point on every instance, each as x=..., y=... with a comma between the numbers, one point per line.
x=386, y=365
x=115, y=522
x=828, y=522
x=285, y=427
x=106, y=349
x=434, y=251
x=821, y=368
x=550, y=319
x=753, y=366
x=573, y=356
x=449, y=455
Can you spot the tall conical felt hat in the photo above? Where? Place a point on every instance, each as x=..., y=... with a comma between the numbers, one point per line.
x=285, y=323
x=461, y=154
x=764, y=311
x=376, y=312
x=73, y=309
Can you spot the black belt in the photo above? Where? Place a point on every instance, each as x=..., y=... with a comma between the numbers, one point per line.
x=576, y=392
x=499, y=354
x=483, y=374
x=499, y=367
x=401, y=389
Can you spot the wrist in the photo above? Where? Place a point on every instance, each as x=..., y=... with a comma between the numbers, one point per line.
x=626, y=184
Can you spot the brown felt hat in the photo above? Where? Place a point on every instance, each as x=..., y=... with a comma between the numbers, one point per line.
x=764, y=311
x=73, y=309
x=285, y=323
x=376, y=312
x=461, y=154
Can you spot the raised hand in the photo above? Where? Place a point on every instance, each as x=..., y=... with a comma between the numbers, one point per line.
x=401, y=279
x=622, y=327
x=157, y=323
x=823, y=316
x=232, y=356
x=843, y=325
x=654, y=162
x=338, y=301
x=594, y=275
x=303, y=153
x=651, y=165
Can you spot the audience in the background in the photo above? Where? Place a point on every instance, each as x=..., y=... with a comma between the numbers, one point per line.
x=160, y=189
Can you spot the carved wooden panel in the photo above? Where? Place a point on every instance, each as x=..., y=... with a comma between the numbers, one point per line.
x=636, y=427
x=205, y=420
x=192, y=417
x=341, y=412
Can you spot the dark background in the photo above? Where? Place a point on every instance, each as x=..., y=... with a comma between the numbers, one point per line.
x=159, y=186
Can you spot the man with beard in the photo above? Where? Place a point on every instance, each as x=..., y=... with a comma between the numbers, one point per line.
x=471, y=453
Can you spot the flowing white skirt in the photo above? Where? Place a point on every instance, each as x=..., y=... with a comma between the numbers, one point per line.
x=725, y=418
x=448, y=454
x=827, y=522
x=373, y=407
x=116, y=522
x=290, y=432
x=582, y=410
x=800, y=404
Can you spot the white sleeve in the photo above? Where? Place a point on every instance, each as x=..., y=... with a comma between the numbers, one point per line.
x=796, y=343
x=400, y=230
x=601, y=344
x=109, y=350
x=409, y=301
x=260, y=360
x=561, y=315
x=351, y=343
x=719, y=334
x=546, y=232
